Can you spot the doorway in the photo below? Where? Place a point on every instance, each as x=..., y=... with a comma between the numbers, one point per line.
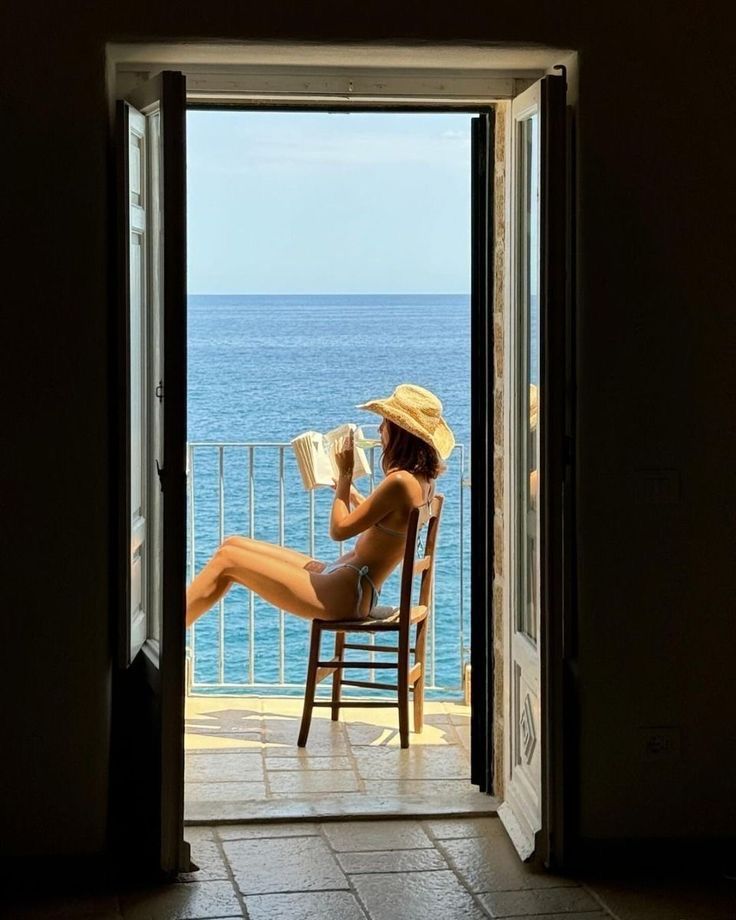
x=329, y=258
x=494, y=411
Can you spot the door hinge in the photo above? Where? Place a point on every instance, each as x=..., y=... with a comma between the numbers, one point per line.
x=159, y=391
x=161, y=473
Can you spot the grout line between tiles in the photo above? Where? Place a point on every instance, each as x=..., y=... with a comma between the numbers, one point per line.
x=352, y=888
x=598, y=900
x=453, y=868
x=231, y=874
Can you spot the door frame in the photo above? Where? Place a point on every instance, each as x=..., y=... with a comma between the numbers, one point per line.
x=460, y=86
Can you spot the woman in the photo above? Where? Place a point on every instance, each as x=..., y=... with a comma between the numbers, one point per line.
x=415, y=438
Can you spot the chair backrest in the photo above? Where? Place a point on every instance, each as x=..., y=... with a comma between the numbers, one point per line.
x=413, y=566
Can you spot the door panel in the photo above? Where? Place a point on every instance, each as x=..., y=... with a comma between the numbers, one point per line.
x=537, y=362
x=150, y=704
x=137, y=312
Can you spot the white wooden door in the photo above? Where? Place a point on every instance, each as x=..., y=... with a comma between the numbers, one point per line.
x=138, y=313
x=536, y=458
x=152, y=196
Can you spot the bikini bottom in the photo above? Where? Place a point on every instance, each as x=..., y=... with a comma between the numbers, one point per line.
x=362, y=573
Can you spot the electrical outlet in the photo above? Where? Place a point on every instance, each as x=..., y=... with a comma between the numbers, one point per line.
x=659, y=743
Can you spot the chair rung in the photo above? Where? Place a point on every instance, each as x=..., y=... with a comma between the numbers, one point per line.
x=371, y=685
x=367, y=647
x=362, y=704
x=363, y=665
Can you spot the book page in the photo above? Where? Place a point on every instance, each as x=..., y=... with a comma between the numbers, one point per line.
x=315, y=456
x=333, y=440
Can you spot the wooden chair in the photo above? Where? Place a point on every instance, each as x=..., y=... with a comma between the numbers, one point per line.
x=410, y=677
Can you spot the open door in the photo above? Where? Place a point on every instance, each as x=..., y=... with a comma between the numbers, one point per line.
x=536, y=349
x=481, y=473
x=148, y=704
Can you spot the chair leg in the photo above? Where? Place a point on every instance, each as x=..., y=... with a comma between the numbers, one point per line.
x=311, y=686
x=403, y=684
x=420, y=657
x=337, y=676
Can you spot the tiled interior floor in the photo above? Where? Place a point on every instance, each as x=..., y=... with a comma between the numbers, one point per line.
x=381, y=870
x=243, y=763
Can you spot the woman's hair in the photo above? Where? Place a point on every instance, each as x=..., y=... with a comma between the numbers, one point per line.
x=405, y=451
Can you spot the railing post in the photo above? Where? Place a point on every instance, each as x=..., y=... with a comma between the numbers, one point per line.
x=221, y=530
x=462, y=562
x=282, y=637
x=251, y=595
x=192, y=551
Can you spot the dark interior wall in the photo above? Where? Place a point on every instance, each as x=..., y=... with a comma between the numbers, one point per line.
x=656, y=347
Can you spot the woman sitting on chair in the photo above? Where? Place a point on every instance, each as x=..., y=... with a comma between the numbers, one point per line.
x=415, y=438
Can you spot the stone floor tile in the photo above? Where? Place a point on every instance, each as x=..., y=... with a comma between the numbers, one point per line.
x=210, y=742
x=427, y=789
x=439, y=717
x=201, y=705
x=391, y=861
x=225, y=792
x=367, y=734
x=206, y=854
x=182, y=902
x=299, y=782
x=450, y=762
x=493, y=865
x=53, y=907
x=353, y=836
x=305, y=905
x=257, y=831
x=445, y=829
x=670, y=896
x=416, y=896
x=223, y=767
x=283, y=864
x=538, y=901
x=302, y=761
x=279, y=743
x=463, y=734
x=574, y=915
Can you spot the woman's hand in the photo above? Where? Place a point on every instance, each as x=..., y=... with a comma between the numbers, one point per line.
x=345, y=458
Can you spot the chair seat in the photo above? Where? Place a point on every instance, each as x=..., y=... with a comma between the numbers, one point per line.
x=384, y=613
x=372, y=623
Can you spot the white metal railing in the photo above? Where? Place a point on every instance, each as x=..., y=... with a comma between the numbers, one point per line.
x=213, y=653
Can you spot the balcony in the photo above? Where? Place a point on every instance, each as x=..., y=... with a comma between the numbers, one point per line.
x=247, y=663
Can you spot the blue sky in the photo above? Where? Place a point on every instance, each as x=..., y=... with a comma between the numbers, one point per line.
x=328, y=203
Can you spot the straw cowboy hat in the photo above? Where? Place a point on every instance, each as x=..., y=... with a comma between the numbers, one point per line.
x=417, y=411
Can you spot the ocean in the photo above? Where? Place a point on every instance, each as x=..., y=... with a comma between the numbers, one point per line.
x=263, y=368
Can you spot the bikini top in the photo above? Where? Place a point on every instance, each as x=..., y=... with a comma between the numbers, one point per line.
x=402, y=533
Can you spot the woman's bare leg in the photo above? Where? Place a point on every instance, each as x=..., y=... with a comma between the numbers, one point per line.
x=206, y=589
x=269, y=549
x=272, y=575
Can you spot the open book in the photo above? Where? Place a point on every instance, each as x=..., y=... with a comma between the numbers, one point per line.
x=315, y=455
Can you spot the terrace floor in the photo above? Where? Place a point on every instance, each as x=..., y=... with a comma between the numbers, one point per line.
x=243, y=763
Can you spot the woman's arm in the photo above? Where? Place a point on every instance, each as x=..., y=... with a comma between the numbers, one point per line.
x=390, y=495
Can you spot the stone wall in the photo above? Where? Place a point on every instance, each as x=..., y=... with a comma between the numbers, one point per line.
x=499, y=524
